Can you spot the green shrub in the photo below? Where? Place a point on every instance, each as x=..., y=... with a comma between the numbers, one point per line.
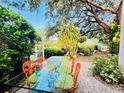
x=5, y=68
x=108, y=69
x=113, y=48
x=95, y=41
x=98, y=63
x=83, y=39
x=113, y=38
x=86, y=49
x=54, y=51
x=17, y=38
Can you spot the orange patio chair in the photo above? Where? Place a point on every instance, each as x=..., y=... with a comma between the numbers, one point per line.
x=40, y=60
x=32, y=65
x=27, y=69
x=76, y=73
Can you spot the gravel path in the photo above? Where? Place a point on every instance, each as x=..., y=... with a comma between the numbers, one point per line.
x=89, y=84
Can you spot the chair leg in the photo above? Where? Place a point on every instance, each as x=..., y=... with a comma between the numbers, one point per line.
x=28, y=87
x=72, y=90
x=28, y=90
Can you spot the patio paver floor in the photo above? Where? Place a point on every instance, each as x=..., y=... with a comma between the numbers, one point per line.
x=89, y=84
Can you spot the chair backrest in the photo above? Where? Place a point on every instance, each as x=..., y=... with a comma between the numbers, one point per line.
x=76, y=73
x=72, y=65
x=40, y=59
x=32, y=65
x=27, y=68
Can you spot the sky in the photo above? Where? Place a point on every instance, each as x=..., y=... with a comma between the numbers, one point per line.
x=37, y=19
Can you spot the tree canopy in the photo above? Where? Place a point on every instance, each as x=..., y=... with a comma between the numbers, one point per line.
x=88, y=15
x=16, y=42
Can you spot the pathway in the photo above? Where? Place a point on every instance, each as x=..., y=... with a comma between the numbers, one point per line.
x=89, y=84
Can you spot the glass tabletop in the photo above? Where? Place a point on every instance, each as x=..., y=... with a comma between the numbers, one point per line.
x=54, y=74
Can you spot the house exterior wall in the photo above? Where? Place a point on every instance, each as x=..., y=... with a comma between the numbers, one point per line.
x=121, y=50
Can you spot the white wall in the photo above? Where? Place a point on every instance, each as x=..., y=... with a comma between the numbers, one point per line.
x=121, y=51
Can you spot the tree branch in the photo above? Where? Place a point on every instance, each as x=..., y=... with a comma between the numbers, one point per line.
x=101, y=23
x=98, y=6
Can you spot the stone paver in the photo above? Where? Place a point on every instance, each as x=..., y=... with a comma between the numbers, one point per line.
x=89, y=84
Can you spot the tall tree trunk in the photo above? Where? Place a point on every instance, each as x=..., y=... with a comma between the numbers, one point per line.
x=119, y=14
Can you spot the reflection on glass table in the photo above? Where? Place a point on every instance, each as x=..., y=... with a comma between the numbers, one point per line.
x=55, y=73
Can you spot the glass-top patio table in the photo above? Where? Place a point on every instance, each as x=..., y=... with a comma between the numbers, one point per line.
x=54, y=75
